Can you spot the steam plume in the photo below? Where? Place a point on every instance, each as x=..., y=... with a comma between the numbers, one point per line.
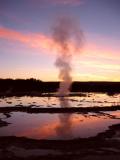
x=65, y=33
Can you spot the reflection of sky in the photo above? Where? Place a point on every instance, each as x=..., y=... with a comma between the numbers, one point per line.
x=43, y=126
x=100, y=22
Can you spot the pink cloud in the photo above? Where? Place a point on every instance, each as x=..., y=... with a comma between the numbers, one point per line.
x=38, y=41
x=45, y=43
x=67, y=2
x=58, y=2
x=34, y=40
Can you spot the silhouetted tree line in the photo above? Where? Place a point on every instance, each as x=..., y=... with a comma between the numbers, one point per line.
x=33, y=86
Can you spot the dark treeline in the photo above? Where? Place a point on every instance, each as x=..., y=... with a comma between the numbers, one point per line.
x=33, y=86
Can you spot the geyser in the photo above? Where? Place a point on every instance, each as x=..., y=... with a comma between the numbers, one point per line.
x=67, y=37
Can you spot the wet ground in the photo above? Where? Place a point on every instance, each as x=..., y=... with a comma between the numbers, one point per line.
x=84, y=126
x=51, y=100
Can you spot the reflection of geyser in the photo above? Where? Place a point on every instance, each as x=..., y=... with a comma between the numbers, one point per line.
x=64, y=128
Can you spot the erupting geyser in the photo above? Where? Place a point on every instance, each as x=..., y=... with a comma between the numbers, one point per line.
x=68, y=39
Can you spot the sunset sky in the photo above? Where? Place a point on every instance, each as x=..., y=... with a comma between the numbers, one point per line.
x=26, y=50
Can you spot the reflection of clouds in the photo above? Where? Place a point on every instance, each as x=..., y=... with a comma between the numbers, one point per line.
x=64, y=128
x=40, y=132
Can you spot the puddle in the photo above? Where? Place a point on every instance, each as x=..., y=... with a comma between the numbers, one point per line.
x=62, y=126
x=58, y=126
